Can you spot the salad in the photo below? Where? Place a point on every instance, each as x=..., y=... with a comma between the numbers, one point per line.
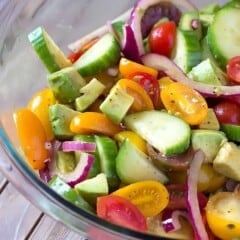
x=140, y=123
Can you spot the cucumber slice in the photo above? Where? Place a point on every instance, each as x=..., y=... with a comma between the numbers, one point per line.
x=167, y=133
x=102, y=55
x=187, y=51
x=223, y=35
x=232, y=131
x=107, y=149
x=50, y=54
x=190, y=21
x=64, y=190
x=133, y=165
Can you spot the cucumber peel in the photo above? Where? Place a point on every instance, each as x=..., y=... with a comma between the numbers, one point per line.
x=102, y=55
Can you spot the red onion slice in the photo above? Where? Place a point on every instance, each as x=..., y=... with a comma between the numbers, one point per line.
x=171, y=221
x=80, y=172
x=129, y=45
x=69, y=146
x=138, y=12
x=164, y=64
x=192, y=199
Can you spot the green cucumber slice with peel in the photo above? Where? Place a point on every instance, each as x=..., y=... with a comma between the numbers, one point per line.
x=223, y=35
x=107, y=149
x=232, y=131
x=133, y=165
x=102, y=55
x=187, y=50
x=47, y=50
x=167, y=133
x=64, y=190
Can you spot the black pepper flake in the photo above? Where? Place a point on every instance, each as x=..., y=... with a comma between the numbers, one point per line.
x=231, y=226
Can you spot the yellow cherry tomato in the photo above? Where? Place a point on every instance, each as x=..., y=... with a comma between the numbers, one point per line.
x=223, y=215
x=184, y=102
x=32, y=137
x=128, y=67
x=39, y=104
x=133, y=137
x=209, y=180
x=142, y=101
x=150, y=197
x=93, y=122
x=164, y=81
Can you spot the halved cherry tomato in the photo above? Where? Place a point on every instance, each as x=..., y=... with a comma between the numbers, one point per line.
x=184, y=102
x=150, y=197
x=223, y=215
x=32, y=137
x=134, y=138
x=73, y=57
x=121, y=211
x=39, y=104
x=141, y=99
x=164, y=81
x=233, y=69
x=149, y=83
x=162, y=38
x=93, y=122
x=227, y=112
x=128, y=67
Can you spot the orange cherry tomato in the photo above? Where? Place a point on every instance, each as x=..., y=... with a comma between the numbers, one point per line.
x=128, y=67
x=142, y=100
x=93, y=122
x=184, y=102
x=150, y=197
x=32, y=137
x=39, y=104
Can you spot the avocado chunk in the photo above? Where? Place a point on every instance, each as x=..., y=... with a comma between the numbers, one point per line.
x=60, y=117
x=210, y=122
x=227, y=161
x=70, y=194
x=66, y=84
x=207, y=72
x=92, y=188
x=65, y=161
x=89, y=93
x=209, y=141
x=116, y=104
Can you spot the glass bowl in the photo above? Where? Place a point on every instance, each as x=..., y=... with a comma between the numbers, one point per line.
x=22, y=75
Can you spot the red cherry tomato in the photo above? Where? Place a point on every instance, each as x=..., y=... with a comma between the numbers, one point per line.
x=121, y=211
x=233, y=69
x=149, y=83
x=228, y=112
x=162, y=38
